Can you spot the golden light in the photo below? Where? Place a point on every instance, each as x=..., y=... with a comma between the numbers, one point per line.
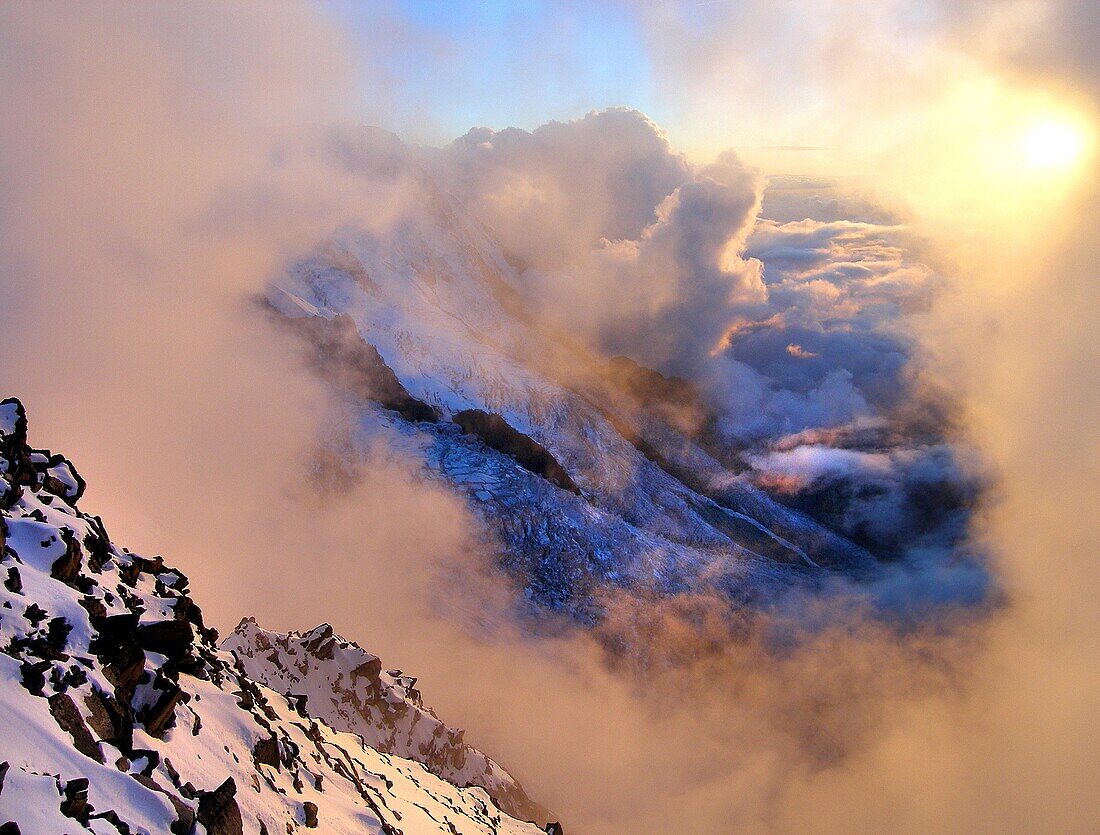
x=1051, y=144
x=994, y=168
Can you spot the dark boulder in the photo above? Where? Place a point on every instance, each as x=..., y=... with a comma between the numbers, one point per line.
x=32, y=675
x=14, y=582
x=184, y=824
x=108, y=720
x=116, y=646
x=266, y=752
x=68, y=718
x=57, y=634
x=162, y=714
x=112, y=817
x=66, y=568
x=13, y=447
x=170, y=638
x=218, y=810
x=61, y=479
x=75, y=805
x=310, y=810
x=35, y=614
x=97, y=543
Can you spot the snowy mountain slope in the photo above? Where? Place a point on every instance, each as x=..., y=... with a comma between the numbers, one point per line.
x=431, y=297
x=119, y=714
x=346, y=687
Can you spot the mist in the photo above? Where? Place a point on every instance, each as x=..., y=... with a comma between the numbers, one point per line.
x=162, y=165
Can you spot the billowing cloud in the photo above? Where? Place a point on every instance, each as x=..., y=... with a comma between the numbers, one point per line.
x=647, y=255
x=667, y=297
x=897, y=500
x=552, y=194
x=618, y=239
x=751, y=405
x=832, y=341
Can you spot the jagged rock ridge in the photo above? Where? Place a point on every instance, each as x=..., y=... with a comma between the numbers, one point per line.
x=346, y=687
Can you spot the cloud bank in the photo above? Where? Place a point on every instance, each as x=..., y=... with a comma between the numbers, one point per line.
x=619, y=239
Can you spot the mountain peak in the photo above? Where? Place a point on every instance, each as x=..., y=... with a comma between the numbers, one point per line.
x=346, y=686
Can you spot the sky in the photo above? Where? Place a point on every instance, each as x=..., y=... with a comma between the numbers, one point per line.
x=501, y=64
x=837, y=87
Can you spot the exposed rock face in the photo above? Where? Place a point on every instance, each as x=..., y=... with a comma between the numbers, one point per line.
x=651, y=386
x=531, y=455
x=340, y=355
x=310, y=811
x=345, y=686
x=118, y=712
x=68, y=718
x=218, y=810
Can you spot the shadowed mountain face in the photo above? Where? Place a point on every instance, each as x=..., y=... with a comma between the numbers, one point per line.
x=593, y=476
x=121, y=714
x=497, y=434
x=339, y=354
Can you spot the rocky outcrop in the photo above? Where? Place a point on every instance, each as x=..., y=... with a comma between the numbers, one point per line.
x=118, y=711
x=498, y=434
x=651, y=386
x=340, y=355
x=310, y=812
x=218, y=810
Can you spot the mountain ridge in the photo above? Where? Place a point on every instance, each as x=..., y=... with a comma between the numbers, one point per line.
x=122, y=715
x=347, y=687
x=652, y=508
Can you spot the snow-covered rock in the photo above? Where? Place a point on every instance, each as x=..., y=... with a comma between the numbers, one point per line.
x=120, y=714
x=347, y=688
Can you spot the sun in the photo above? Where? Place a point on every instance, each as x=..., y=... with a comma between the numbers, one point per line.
x=1051, y=144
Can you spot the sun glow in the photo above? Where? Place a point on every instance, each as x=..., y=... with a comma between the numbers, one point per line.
x=1051, y=144
x=995, y=169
